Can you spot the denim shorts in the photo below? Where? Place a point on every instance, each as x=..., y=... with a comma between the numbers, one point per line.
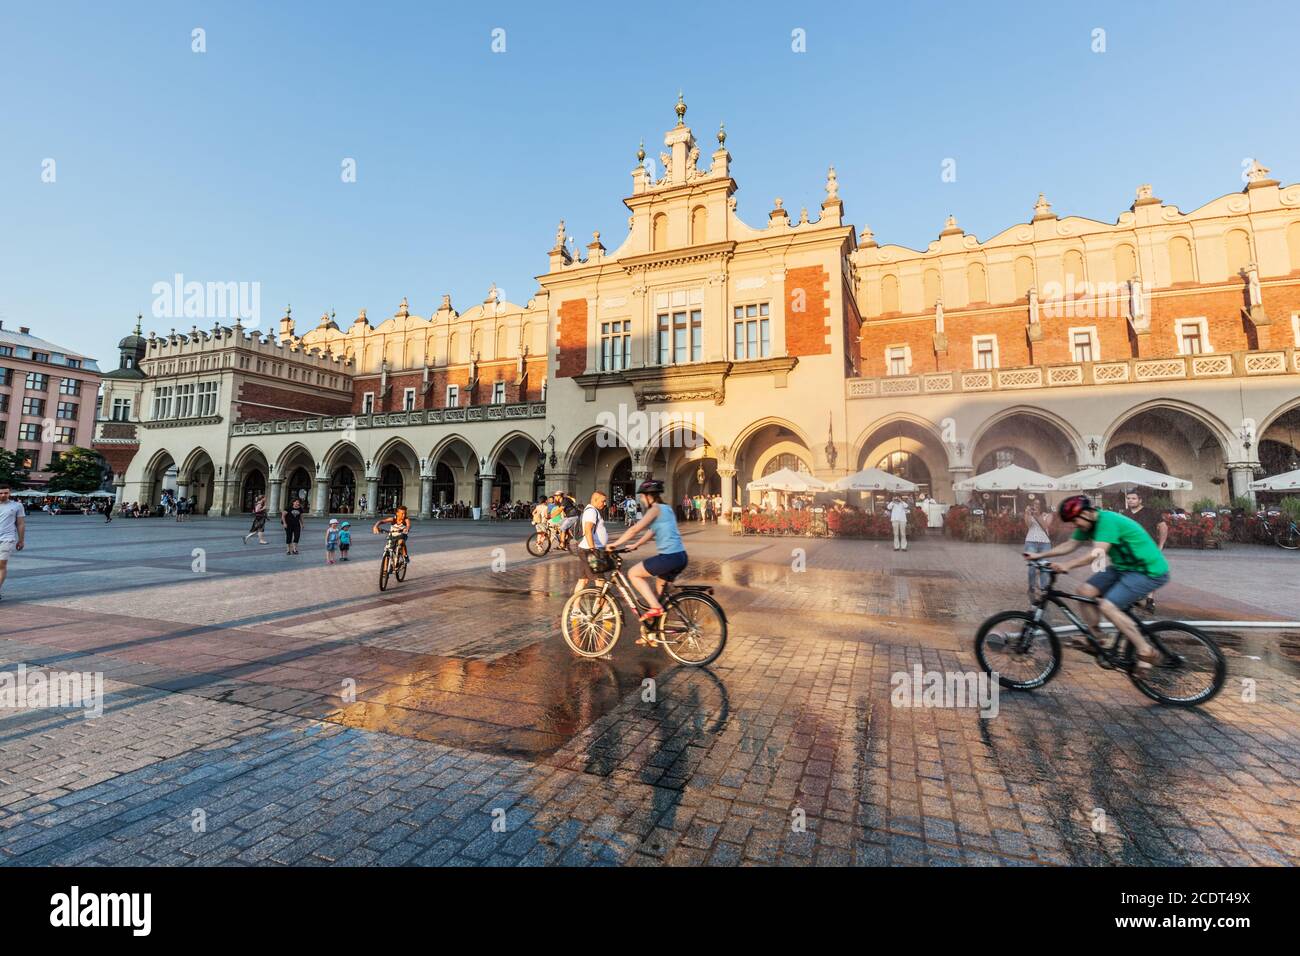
x=1125, y=588
x=663, y=564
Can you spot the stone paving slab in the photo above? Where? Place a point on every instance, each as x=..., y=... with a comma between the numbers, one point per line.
x=469, y=711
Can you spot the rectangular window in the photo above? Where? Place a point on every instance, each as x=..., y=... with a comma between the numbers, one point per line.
x=41, y=357
x=74, y=363
x=66, y=436
x=408, y=400
x=4, y=403
x=37, y=382
x=184, y=401
x=207, y=399
x=28, y=457
x=33, y=406
x=680, y=329
x=368, y=403
x=6, y=376
x=6, y=350
x=453, y=396
x=985, y=350
x=615, y=345
x=69, y=386
x=67, y=410
x=29, y=431
x=897, y=360
x=751, y=334
x=1082, y=347
x=498, y=393
x=121, y=409
x=1193, y=336
x=162, y=402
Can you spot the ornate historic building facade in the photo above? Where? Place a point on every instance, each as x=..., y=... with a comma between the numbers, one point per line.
x=709, y=351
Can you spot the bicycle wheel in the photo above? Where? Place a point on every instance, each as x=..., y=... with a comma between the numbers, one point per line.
x=403, y=562
x=1191, y=669
x=1022, y=653
x=591, y=623
x=384, y=571
x=1288, y=537
x=693, y=628
x=538, y=548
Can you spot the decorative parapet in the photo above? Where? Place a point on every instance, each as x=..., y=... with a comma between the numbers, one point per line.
x=431, y=416
x=1173, y=368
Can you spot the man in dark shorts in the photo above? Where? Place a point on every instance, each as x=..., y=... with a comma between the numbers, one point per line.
x=1137, y=568
x=291, y=519
x=1152, y=521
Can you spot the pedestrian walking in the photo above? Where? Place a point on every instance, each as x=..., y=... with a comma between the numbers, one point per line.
x=259, y=521
x=1038, y=538
x=331, y=540
x=13, y=529
x=898, y=512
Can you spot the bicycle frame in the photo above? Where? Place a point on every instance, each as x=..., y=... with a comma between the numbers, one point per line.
x=1119, y=653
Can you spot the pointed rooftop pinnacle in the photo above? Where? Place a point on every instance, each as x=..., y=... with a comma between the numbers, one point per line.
x=680, y=108
x=950, y=227
x=722, y=134
x=138, y=319
x=1043, y=209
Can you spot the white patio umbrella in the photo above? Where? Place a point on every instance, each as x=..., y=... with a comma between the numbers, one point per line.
x=1008, y=478
x=1289, y=481
x=28, y=493
x=873, y=479
x=1126, y=476
x=64, y=494
x=1069, y=482
x=101, y=494
x=786, y=479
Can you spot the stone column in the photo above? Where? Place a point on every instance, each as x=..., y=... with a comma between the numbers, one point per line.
x=557, y=480
x=728, y=476
x=485, y=494
x=372, y=496
x=959, y=473
x=273, y=501
x=321, y=494
x=1240, y=475
x=119, y=489
x=182, y=491
x=426, y=496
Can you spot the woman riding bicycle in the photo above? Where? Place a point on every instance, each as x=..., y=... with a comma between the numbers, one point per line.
x=659, y=522
x=399, y=527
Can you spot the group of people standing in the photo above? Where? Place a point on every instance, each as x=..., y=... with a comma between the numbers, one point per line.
x=701, y=507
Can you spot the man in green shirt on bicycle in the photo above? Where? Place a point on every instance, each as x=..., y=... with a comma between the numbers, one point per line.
x=1137, y=568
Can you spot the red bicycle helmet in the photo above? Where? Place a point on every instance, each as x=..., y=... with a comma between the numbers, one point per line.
x=1074, y=506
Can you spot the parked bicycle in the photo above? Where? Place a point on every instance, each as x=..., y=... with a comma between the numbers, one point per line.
x=539, y=544
x=692, y=629
x=1022, y=650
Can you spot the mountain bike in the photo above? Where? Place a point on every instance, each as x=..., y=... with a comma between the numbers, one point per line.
x=1022, y=650
x=394, y=562
x=552, y=539
x=692, y=629
x=1287, y=534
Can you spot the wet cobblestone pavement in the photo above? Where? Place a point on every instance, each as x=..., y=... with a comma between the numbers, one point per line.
x=224, y=695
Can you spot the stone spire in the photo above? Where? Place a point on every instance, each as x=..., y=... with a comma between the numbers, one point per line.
x=1043, y=209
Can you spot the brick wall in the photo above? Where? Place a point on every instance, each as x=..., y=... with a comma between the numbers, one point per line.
x=572, y=324
x=488, y=374
x=1222, y=309
x=807, y=311
x=284, y=403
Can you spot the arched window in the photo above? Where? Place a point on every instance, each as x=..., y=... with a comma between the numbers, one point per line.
x=1238, y=243
x=932, y=288
x=1002, y=457
x=1293, y=245
x=659, y=236
x=977, y=282
x=1024, y=276
x=1125, y=262
x=1131, y=454
x=1072, y=271
x=889, y=293
x=787, y=460
x=699, y=225
x=1181, y=268
x=904, y=464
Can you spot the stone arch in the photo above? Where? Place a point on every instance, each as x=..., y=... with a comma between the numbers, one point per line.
x=1226, y=437
x=292, y=452
x=912, y=435
x=505, y=441
x=1068, y=432
x=454, y=455
x=337, y=451
x=1192, y=443
x=859, y=447
x=250, y=470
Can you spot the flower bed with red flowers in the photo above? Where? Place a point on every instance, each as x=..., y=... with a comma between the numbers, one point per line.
x=1198, y=531
x=840, y=524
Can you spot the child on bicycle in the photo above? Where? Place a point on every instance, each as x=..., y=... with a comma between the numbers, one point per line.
x=657, y=521
x=399, y=526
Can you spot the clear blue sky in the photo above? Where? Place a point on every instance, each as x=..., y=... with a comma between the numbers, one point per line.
x=225, y=166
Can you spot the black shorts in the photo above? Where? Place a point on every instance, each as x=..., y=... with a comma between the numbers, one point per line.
x=292, y=534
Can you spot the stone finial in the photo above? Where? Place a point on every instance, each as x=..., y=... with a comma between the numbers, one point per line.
x=1043, y=209
x=803, y=216
x=559, y=235
x=867, y=238
x=832, y=184
x=1257, y=175
x=722, y=134
x=640, y=156
x=1144, y=191
x=778, y=202
x=361, y=317
x=680, y=109
x=950, y=227
x=494, y=294
x=446, y=299
x=403, y=310
x=138, y=319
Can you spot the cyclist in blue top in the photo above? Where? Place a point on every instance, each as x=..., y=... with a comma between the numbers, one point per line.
x=659, y=522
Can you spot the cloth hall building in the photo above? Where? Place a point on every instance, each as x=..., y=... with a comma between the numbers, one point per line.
x=710, y=350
